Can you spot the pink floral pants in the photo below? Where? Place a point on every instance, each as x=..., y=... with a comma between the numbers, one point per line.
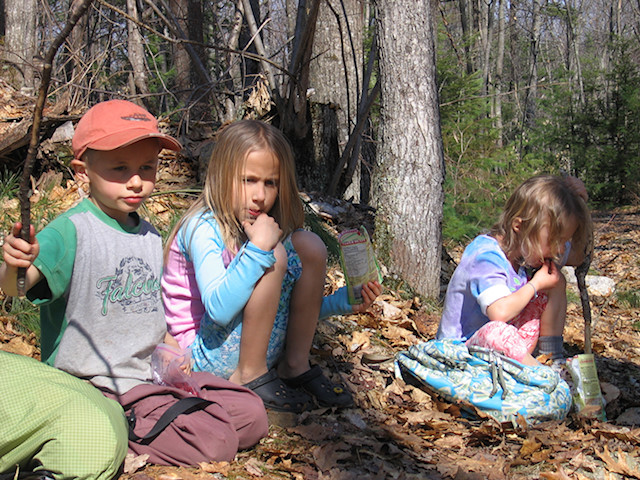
x=515, y=338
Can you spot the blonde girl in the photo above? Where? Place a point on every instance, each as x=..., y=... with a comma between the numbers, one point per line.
x=243, y=283
x=508, y=293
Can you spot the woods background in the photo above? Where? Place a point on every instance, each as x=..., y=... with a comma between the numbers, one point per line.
x=430, y=112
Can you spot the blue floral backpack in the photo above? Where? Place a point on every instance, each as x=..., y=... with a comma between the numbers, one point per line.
x=489, y=381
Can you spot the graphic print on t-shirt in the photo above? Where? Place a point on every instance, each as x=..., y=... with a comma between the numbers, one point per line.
x=133, y=287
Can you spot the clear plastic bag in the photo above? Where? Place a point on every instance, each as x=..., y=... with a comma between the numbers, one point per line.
x=167, y=367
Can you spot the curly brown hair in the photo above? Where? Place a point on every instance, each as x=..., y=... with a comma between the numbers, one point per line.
x=543, y=200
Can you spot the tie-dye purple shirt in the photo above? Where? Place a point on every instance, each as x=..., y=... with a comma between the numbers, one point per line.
x=483, y=276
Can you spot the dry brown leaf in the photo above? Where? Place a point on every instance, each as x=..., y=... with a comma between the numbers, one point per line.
x=559, y=475
x=541, y=456
x=390, y=312
x=451, y=441
x=215, y=467
x=254, y=467
x=608, y=430
x=447, y=470
x=400, y=337
x=580, y=460
x=312, y=431
x=529, y=446
x=359, y=341
x=20, y=346
x=327, y=456
x=619, y=465
x=433, y=419
x=133, y=463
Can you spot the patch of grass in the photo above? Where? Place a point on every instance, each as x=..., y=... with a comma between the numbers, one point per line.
x=9, y=183
x=636, y=326
x=27, y=315
x=629, y=298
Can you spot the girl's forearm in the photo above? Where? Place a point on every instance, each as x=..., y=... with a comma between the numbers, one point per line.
x=225, y=298
x=507, y=308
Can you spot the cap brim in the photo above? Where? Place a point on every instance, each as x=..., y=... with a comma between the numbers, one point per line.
x=123, y=139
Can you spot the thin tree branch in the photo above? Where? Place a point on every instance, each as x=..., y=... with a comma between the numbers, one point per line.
x=257, y=40
x=161, y=35
x=363, y=114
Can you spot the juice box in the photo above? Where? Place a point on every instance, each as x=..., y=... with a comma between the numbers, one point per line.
x=358, y=262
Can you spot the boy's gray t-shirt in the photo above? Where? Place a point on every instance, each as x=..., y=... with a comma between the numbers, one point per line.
x=101, y=305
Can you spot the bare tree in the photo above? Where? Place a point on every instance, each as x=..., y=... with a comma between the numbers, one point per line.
x=408, y=185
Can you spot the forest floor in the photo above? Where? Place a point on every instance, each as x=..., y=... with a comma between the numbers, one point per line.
x=397, y=431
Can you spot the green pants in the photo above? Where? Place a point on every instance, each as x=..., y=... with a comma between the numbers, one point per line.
x=50, y=420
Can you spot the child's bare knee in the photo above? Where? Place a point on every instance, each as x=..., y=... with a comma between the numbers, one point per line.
x=309, y=247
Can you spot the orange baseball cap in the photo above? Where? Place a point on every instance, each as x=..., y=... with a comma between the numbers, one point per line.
x=117, y=123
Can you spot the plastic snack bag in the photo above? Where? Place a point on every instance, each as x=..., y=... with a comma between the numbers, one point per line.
x=358, y=262
x=587, y=396
x=167, y=367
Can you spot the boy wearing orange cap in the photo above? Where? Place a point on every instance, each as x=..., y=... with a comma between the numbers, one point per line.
x=95, y=273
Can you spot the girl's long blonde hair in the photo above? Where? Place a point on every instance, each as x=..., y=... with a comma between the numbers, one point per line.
x=544, y=200
x=233, y=145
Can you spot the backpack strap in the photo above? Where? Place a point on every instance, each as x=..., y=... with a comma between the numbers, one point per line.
x=184, y=405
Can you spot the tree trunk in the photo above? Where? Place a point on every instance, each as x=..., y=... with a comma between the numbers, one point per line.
x=2, y=23
x=464, y=7
x=575, y=66
x=181, y=60
x=136, y=53
x=499, y=72
x=78, y=50
x=485, y=25
x=514, y=63
x=20, y=42
x=232, y=101
x=532, y=92
x=408, y=184
x=335, y=78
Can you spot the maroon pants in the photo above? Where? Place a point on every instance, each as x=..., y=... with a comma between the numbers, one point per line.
x=236, y=419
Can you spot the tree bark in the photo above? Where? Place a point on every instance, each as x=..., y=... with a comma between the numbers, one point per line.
x=335, y=78
x=136, y=53
x=180, y=55
x=464, y=7
x=408, y=184
x=499, y=72
x=532, y=92
x=20, y=42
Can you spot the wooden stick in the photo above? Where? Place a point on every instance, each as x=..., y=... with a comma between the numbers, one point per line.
x=581, y=273
x=77, y=11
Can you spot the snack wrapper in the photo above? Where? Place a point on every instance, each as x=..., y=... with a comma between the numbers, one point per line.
x=166, y=366
x=358, y=262
x=587, y=396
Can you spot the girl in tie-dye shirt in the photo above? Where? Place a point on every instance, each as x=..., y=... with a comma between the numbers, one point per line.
x=508, y=290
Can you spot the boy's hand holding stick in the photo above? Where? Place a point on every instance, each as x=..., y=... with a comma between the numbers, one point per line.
x=77, y=11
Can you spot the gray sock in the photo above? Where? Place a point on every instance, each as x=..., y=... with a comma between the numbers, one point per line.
x=551, y=345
